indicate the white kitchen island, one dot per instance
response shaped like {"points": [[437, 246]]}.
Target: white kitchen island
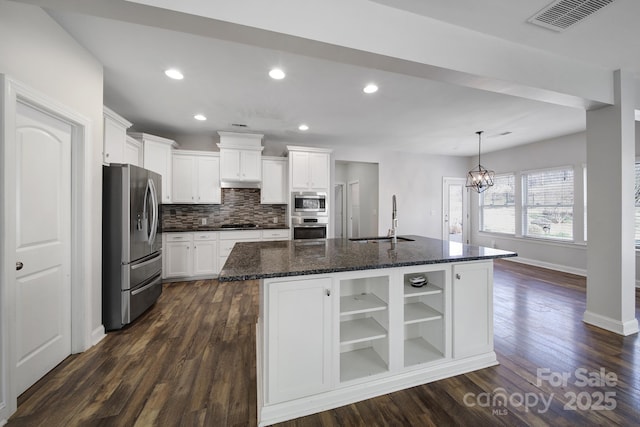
{"points": [[340, 321]]}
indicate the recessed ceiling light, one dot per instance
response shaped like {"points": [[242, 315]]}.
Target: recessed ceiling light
{"points": [[303, 127], [174, 74], [277, 74], [200, 117], [370, 88]]}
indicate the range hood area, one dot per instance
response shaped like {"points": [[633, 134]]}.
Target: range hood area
{"points": [[240, 184], [240, 160]]}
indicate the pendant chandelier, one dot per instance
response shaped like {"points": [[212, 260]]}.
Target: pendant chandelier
{"points": [[481, 178]]}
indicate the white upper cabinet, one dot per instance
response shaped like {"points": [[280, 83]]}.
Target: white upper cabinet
{"points": [[240, 158], [157, 157], [183, 179], [133, 152], [196, 177], [309, 168], [209, 180], [115, 137], [274, 181]]}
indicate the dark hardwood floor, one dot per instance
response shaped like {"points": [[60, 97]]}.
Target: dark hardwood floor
{"points": [[190, 361]]}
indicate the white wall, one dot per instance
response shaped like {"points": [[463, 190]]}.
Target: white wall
{"points": [[562, 151], [416, 180], [37, 52]]}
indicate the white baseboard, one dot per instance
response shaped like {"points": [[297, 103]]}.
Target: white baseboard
{"points": [[550, 266], [97, 335], [557, 267], [621, 328]]}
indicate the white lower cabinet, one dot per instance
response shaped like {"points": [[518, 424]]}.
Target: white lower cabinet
{"points": [[229, 238], [190, 254], [205, 253], [177, 254], [300, 331], [202, 254], [377, 334], [472, 309]]}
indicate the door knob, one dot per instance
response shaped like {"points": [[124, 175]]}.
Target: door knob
{"points": [[458, 276], [19, 265]]}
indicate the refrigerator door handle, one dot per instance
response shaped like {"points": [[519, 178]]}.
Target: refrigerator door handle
{"points": [[147, 286], [154, 218], [147, 262], [145, 207]]}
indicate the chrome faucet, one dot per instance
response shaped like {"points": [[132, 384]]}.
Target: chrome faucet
{"points": [[393, 233]]}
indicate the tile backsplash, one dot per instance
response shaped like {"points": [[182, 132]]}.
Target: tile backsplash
{"points": [[239, 205]]}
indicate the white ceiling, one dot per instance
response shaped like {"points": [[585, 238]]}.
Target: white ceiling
{"points": [[228, 82]]}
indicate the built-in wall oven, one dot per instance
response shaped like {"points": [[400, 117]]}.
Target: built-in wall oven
{"points": [[309, 227], [309, 216]]}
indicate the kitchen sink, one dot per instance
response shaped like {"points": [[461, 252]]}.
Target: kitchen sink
{"points": [[382, 239]]}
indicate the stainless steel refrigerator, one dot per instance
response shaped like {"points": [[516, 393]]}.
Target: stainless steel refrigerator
{"points": [[131, 243]]}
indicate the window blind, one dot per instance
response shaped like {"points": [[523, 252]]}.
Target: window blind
{"points": [[497, 206], [548, 204]]}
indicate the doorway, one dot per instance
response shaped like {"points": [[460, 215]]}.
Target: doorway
{"points": [[455, 210], [339, 197], [353, 209], [359, 186], [45, 253]]}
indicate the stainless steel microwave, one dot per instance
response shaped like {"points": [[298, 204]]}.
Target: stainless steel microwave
{"points": [[307, 203]]}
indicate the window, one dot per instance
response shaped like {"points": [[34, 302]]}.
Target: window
{"points": [[547, 204], [637, 192], [498, 207]]}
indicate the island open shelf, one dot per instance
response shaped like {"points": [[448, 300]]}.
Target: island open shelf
{"points": [[364, 322], [424, 317]]}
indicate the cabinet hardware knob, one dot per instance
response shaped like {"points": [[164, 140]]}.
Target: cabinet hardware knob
{"points": [[458, 276], [328, 292], [19, 265]]}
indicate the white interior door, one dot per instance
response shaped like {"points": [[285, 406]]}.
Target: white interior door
{"points": [[353, 206], [43, 244], [454, 212]]}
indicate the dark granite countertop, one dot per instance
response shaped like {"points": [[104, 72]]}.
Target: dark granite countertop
{"points": [[260, 260], [193, 229]]}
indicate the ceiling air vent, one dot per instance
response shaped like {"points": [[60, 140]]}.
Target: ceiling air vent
{"points": [[561, 14]]}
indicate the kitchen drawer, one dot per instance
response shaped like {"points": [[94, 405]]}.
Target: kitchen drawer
{"points": [[252, 235], [281, 234], [205, 235], [178, 237], [226, 246]]}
